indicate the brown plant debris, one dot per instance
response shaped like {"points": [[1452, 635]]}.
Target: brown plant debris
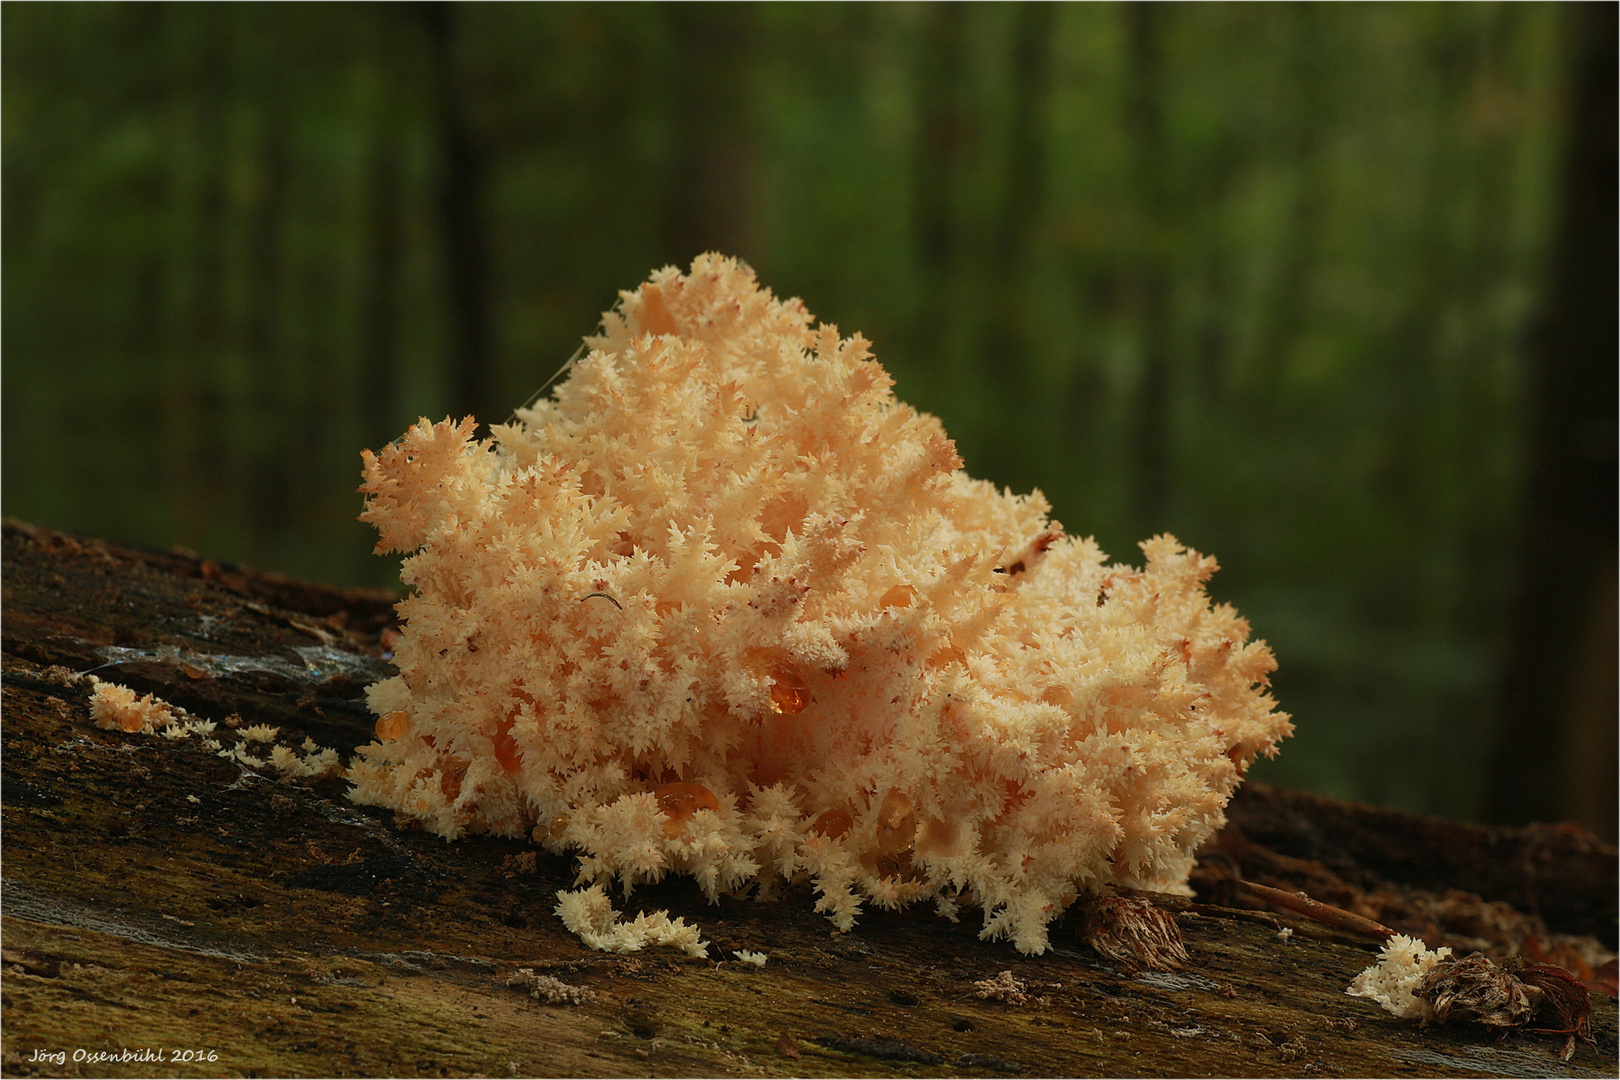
{"points": [[1133, 933], [1475, 990]]}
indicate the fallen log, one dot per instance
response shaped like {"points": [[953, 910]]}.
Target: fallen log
{"points": [[168, 911]]}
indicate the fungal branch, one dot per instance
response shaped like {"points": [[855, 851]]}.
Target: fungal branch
{"points": [[721, 605]]}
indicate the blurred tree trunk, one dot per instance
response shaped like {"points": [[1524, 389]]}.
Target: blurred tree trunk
{"points": [[1007, 363], [1288, 313], [711, 194], [268, 449], [196, 334], [1144, 121], [462, 182], [940, 134], [380, 278], [380, 314], [1555, 754]]}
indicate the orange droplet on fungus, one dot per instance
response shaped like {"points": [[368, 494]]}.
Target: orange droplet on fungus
{"points": [[392, 725], [896, 823], [789, 694], [679, 801], [506, 748], [899, 596], [833, 824], [450, 779]]}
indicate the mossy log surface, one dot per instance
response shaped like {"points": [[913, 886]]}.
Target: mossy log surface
{"points": [[159, 900]]}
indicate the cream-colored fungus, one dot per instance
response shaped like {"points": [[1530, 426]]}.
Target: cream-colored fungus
{"points": [[118, 708], [1393, 979], [724, 607]]}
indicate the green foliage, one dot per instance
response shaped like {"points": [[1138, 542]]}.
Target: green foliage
{"points": [[1253, 274]]}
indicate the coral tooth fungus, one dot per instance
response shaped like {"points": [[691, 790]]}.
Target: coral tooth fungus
{"points": [[871, 672]]}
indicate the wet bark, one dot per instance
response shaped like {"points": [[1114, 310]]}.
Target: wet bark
{"points": [[942, 142], [159, 897], [1556, 747], [1014, 244], [380, 307], [1144, 28]]}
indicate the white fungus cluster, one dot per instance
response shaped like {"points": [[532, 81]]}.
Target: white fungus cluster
{"points": [[1394, 978], [589, 914], [724, 607]]}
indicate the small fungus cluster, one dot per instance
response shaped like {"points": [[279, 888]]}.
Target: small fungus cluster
{"points": [[118, 708], [589, 914], [722, 606], [549, 989]]}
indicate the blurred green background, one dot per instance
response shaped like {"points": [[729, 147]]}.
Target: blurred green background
{"points": [[1296, 283]]}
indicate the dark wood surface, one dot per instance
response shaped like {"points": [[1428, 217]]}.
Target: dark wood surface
{"points": [[159, 898]]}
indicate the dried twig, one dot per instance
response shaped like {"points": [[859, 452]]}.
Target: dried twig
{"points": [[1315, 909]]}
